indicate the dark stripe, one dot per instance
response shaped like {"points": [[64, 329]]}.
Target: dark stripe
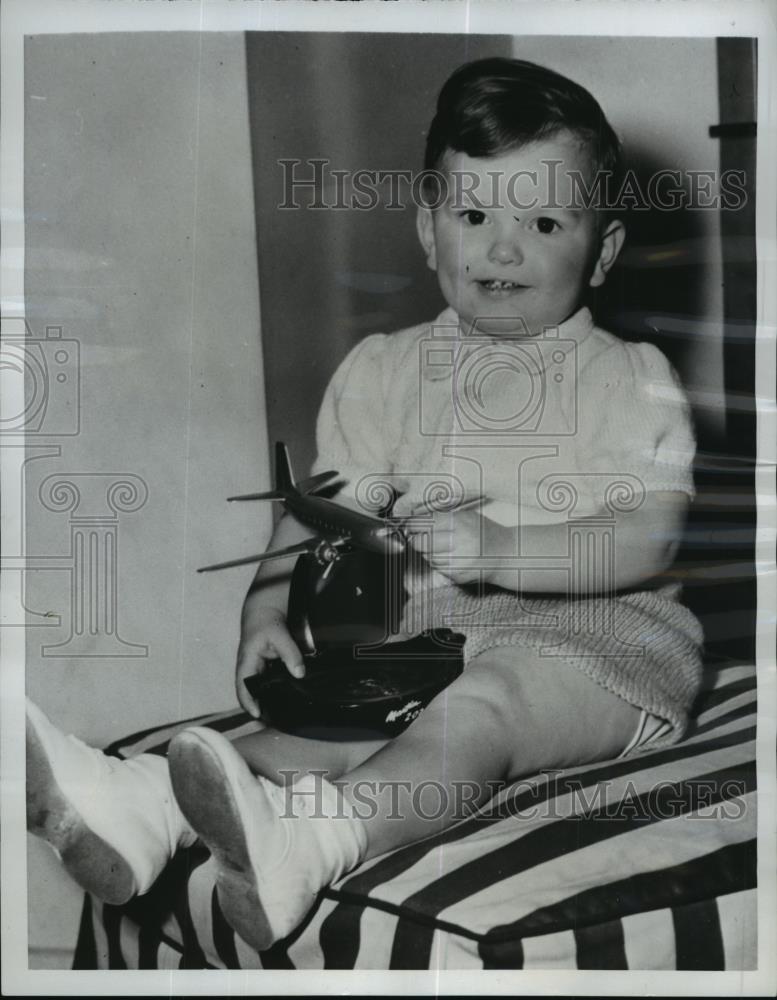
{"points": [[119, 747], [192, 956], [698, 939], [223, 935], [148, 946], [722, 720], [412, 945], [112, 918], [85, 955], [503, 955], [276, 957], [711, 699], [729, 869], [340, 934], [733, 130], [342, 924], [601, 946]]}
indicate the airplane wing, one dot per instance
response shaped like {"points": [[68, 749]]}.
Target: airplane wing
{"points": [[291, 550], [269, 495]]}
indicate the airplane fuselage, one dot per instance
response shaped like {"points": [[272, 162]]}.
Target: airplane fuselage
{"points": [[333, 521]]}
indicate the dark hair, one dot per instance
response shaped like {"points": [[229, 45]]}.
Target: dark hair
{"points": [[492, 106]]}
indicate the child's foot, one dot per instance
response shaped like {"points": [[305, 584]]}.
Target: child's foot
{"points": [[272, 855], [114, 823]]}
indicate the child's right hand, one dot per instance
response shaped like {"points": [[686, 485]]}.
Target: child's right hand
{"points": [[264, 636]]}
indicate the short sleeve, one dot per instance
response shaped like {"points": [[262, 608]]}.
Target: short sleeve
{"points": [[644, 426], [350, 430]]}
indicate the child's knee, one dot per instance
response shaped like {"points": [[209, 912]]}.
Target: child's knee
{"points": [[551, 713]]}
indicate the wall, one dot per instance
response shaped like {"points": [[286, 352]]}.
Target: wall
{"points": [[140, 245]]}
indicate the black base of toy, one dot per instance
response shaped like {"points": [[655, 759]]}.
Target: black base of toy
{"points": [[353, 692]]}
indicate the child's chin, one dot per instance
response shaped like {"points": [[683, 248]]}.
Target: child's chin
{"points": [[501, 326]]}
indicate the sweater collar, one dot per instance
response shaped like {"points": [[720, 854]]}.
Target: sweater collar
{"points": [[445, 329]]}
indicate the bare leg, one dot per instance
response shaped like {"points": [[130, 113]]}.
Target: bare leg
{"points": [[498, 720], [273, 754]]}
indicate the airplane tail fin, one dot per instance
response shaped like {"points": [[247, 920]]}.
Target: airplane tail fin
{"points": [[284, 479]]}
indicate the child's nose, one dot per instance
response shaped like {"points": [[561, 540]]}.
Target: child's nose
{"points": [[505, 250]]}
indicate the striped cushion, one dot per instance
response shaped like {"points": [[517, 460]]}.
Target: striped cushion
{"points": [[647, 862]]}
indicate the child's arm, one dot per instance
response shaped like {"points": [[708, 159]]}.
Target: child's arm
{"points": [[263, 632], [466, 544]]}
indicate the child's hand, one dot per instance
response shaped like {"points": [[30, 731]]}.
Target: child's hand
{"points": [[264, 636], [451, 541]]}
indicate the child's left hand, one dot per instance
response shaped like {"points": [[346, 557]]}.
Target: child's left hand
{"points": [[453, 542]]}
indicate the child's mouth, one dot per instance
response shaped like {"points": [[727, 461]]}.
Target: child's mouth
{"points": [[494, 285]]}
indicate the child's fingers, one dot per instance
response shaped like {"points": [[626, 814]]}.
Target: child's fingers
{"points": [[288, 651], [247, 666]]}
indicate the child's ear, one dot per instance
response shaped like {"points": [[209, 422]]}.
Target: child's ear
{"points": [[424, 222], [609, 248]]}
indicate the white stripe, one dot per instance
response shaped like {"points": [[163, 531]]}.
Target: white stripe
{"points": [[167, 957], [739, 928], [306, 951], [247, 958], [453, 951], [649, 940], [376, 939], [199, 888], [550, 951], [100, 936], [732, 703], [129, 933]]}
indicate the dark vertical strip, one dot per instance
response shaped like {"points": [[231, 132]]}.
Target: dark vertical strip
{"points": [[276, 957], [737, 90], [85, 956], [737, 104], [340, 935], [148, 946], [192, 956], [698, 938], [112, 918], [601, 946], [412, 947], [223, 935]]}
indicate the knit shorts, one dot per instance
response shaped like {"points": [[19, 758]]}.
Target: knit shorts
{"points": [[643, 645]]}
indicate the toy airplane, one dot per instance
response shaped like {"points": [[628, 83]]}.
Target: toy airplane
{"points": [[338, 528]]}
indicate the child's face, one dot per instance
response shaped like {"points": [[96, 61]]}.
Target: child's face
{"points": [[502, 263]]}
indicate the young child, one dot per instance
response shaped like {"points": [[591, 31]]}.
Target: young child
{"points": [[515, 253]]}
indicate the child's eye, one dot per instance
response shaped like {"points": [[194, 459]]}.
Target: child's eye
{"points": [[546, 225], [473, 216]]}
